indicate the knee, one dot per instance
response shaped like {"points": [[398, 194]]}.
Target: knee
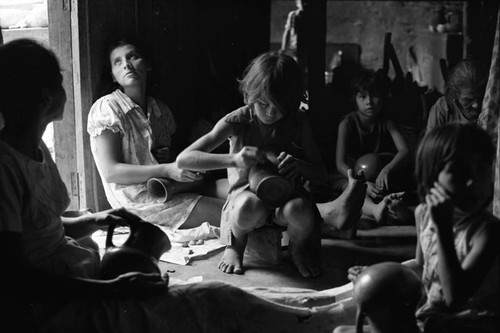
{"points": [[249, 211], [299, 212]]}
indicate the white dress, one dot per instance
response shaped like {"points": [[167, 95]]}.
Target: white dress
{"points": [[140, 135]]}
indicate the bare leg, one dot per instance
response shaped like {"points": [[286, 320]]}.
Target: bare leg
{"points": [[232, 260], [345, 211], [248, 212], [207, 209], [299, 217]]}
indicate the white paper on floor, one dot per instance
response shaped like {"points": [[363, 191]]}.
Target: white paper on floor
{"points": [[179, 253], [184, 255]]}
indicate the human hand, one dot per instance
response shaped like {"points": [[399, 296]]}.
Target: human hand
{"points": [[118, 216], [382, 180], [162, 155], [288, 166], [374, 191], [182, 175], [354, 271], [440, 206], [249, 156]]}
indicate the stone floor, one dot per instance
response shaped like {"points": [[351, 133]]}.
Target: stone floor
{"points": [[386, 243]]}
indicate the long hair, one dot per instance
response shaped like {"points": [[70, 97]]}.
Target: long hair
{"points": [[275, 76], [445, 143], [27, 68]]}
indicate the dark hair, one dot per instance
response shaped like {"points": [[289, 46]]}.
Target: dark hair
{"points": [[275, 76], [370, 81], [26, 69], [467, 73], [445, 143], [106, 84]]}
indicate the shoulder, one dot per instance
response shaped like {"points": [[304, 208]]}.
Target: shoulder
{"points": [[439, 108], [488, 225], [348, 121], [114, 102], [243, 115]]}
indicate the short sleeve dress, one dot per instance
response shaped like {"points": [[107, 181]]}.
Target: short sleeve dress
{"points": [[140, 134]]}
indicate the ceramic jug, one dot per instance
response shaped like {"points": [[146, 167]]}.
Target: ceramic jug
{"points": [[268, 185], [162, 189], [139, 253]]}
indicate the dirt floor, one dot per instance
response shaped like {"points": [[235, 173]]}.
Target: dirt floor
{"points": [[385, 243]]}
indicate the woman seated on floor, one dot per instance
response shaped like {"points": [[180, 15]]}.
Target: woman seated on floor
{"points": [[130, 135]]}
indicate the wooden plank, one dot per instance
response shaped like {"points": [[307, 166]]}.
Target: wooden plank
{"points": [[59, 38], [92, 26]]}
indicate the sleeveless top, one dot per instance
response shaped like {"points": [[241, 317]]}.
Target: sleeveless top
{"points": [[284, 135], [361, 141]]}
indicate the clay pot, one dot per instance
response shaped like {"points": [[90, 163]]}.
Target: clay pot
{"points": [[268, 185], [387, 289], [162, 189], [139, 253], [371, 164]]}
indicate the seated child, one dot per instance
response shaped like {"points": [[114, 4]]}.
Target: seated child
{"points": [[368, 130], [269, 123], [457, 250], [464, 93]]}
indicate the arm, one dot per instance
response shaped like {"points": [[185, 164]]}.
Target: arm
{"points": [[460, 280], [86, 225], [417, 263], [400, 143], [286, 34], [198, 155], [108, 158], [341, 150], [22, 282]]}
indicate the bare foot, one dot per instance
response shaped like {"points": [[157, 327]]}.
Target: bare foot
{"points": [[380, 212], [232, 261], [307, 264], [398, 210], [343, 212]]}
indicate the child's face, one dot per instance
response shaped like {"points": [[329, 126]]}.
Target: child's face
{"points": [[468, 180], [470, 101], [127, 66], [368, 104], [267, 112]]}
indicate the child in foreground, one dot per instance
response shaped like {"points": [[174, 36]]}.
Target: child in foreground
{"points": [[457, 250], [269, 124]]}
